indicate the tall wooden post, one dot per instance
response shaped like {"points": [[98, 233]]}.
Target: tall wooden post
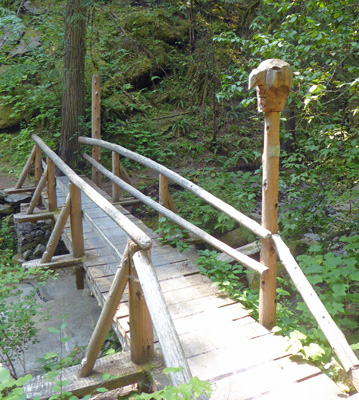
{"points": [[51, 185], [142, 349], [77, 231], [115, 171], [273, 80], [37, 165], [96, 126]]}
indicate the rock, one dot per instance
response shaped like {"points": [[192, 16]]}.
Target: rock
{"points": [[28, 7], [6, 209], [236, 238], [2, 196], [26, 46], [39, 250], [27, 254], [11, 37], [17, 199], [8, 119]]}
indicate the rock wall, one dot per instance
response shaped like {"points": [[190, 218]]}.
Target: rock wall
{"points": [[32, 239]]}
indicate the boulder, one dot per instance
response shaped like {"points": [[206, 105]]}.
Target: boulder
{"points": [[6, 209], [18, 198], [8, 118]]}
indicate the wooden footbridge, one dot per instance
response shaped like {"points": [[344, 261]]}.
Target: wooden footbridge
{"points": [[169, 311], [163, 311]]}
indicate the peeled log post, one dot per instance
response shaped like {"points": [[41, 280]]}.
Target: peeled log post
{"points": [[108, 312], [51, 185], [37, 165], [96, 126], [27, 168], [115, 171], [273, 80], [141, 328]]}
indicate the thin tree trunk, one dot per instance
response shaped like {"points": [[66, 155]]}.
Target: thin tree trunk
{"points": [[73, 97]]}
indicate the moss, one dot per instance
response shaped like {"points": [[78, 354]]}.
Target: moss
{"points": [[158, 25], [8, 116]]}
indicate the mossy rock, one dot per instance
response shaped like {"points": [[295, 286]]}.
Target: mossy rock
{"points": [[158, 25], [9, 118]]}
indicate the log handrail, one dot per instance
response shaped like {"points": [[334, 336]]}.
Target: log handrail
{"points": [[240, 257], [333, 334], [214, 201], [136, 234]]}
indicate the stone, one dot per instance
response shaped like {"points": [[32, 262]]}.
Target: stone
{"points": [[236, 238], [27, 254], [2, 196], [17, 199], [28, 7], [39, 250], [6, 209], [25, 46]]}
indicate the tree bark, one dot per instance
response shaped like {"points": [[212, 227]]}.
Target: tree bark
{"points": [[73, 97]]}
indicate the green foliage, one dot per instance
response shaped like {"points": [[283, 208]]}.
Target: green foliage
{"points": [[17, 311], [229, 278], [172, 234], [185, 391], [10, 388], [238, 189]]}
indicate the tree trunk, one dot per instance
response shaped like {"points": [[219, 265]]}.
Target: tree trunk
{"points": [[73, 97]]}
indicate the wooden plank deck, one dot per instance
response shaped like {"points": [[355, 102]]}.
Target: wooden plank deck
{"points": [[223, 344]]}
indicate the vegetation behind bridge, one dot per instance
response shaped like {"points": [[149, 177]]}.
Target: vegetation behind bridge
{"points": [[174, 76]]}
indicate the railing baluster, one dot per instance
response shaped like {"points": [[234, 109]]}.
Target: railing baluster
{"points": [[77, 231], [37, 165], [116, 172], [26, 168], [36, 196], [142, 349], [107, 314], [51, 185], [57, 231], [96, 126]]}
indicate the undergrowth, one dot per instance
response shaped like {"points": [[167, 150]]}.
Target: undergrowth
{"points": [[336, 281]]}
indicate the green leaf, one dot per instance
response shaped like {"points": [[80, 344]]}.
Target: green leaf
{"points": [[4, 375], [173, 370], [101, 390], [106, 376], [313, 352], [53, 330]]}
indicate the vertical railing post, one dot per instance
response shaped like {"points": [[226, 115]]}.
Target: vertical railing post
{"points": [[76, 230], [115, 171], [37, 165], [140, 321], [51, 185], [165, 198], [96, 126], [273, 80], [26, 168]]}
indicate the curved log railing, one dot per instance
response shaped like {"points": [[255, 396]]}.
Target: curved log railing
{"points": [[333, 334], [135, 268]]}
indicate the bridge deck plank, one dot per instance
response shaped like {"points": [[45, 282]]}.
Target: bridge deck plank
{"points": [[222, 342]]}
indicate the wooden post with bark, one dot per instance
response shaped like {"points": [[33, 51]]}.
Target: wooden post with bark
{"points": [[96, 126], [77, 236], [116, 171], [37, 165], [51, 185], [142, 349], [165, 198], [273, 80]]}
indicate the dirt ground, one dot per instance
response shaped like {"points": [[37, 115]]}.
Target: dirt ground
{"points": [[7, 180]]}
